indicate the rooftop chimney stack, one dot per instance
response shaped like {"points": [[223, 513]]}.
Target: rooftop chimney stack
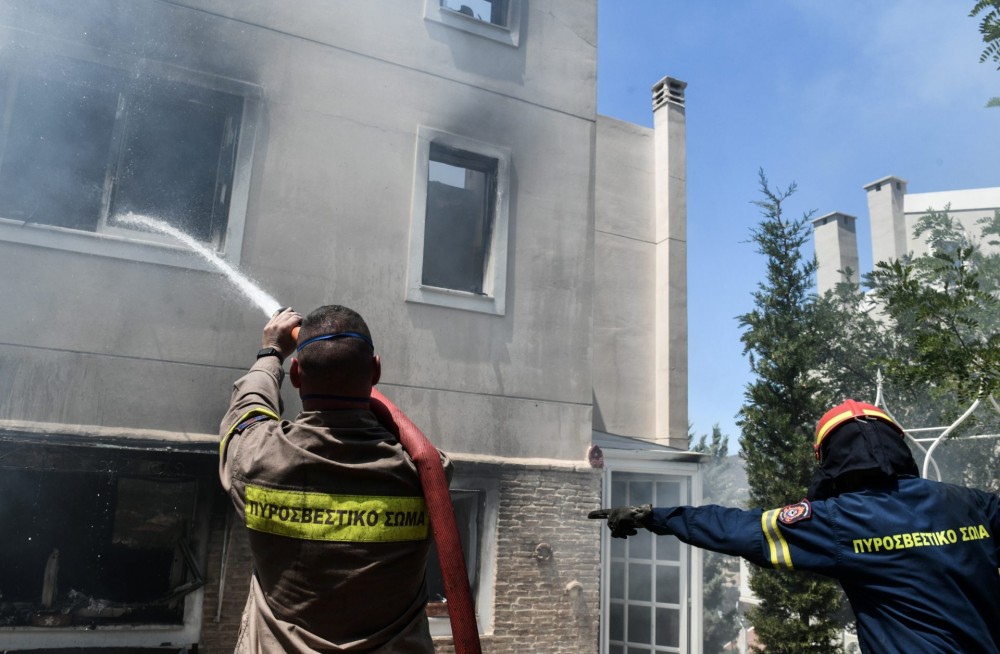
{"points": [[885, 211], [836, 239], [670, 234]]}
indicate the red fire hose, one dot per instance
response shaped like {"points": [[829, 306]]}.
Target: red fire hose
{"points": [[461, 610]]}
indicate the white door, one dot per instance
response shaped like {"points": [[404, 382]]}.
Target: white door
{"points": [[647, 590]]}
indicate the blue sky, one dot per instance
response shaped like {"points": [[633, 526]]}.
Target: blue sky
{"points": [[829, 95]]}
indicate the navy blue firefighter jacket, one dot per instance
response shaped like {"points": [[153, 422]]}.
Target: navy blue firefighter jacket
{"points": [[918, 560]]}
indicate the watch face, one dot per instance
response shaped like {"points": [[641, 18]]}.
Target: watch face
{"points": [[269, 352]]}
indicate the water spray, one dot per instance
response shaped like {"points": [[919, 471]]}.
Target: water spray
{"points": [[444, 527], [242, 283]]}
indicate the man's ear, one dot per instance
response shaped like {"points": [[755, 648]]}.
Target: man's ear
{"points": [[295, 374], [376, 369]]}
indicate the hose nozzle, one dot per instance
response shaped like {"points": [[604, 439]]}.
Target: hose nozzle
{"points": [[295, 329]]}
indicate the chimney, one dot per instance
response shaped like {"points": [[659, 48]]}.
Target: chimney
{"points": [[836, 239], [885, 213], [670, 236]]}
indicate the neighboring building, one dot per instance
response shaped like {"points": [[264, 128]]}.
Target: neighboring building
{"points": [[893, 213], [521, 261], [836, 239]]}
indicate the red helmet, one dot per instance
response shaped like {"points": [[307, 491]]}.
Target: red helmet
{"points": [[849, 410]]}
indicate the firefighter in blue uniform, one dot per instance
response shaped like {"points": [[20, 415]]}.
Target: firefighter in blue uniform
{"points": [[917, 559]]}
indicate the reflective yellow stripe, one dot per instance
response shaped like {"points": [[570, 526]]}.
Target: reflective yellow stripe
{"points": [[256, 411], [843, 417], [344, 518], [776, 543], [830, 424]]}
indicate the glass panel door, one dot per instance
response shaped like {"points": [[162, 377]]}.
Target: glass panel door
{"points": [[648, 581]]}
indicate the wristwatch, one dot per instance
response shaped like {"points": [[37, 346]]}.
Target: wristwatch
{"points": [[270, 352]]}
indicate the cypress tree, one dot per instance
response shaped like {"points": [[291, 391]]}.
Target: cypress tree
{"points": [[798, 612]]}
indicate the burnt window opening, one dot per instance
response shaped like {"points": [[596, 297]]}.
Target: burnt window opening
{"points": [[100, 536], [494, 12], [458, 224], [470, 507], [82, 144]]}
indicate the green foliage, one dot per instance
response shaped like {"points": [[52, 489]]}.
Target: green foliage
{"points": [[941, 320], [945, 311], [988, 12], [852, 340], [718, 448], [989, 28], [783, 338], [796, 612], [720, 572]]}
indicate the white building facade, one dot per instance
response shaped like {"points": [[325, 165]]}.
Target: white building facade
{"points": [[893, 214], [439, 167]]}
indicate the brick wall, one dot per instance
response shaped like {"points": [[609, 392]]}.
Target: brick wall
{"points": [[549, 605], [220, 636], [534, 611]]}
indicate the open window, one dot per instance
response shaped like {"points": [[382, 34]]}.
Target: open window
{"points": [[102, 546], [461, 203], [494, 12], [497, 20], [84, 142], [458, 241], [475, 501]]}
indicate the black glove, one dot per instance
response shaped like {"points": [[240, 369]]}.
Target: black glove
{"points": [[623, 520]]}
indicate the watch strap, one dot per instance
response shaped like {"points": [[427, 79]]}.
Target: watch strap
{"points": [[270, 352]]}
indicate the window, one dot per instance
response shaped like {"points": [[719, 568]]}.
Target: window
{"points": [[475, 501], [497, 20], [102, 545], [458, 247], [83, 143], [461, 188], [650, 587], [489, 11]]}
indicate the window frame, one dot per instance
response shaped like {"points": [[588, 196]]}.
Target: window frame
{"points": [[509, 34], [635, 464], [120, 242], [493, 297], [137, 634], [489, 487]]}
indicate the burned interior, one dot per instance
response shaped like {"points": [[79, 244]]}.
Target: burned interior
{"points": [[99, 536]]}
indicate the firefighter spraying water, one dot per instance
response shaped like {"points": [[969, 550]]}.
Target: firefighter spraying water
{"points": [[339, 503]]}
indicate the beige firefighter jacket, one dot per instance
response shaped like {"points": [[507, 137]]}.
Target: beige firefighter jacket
{"points": [[337, 525]]}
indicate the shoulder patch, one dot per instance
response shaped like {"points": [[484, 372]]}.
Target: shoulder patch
{"points": [[793, 513]]}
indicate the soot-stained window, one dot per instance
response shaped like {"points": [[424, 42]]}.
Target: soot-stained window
{"points": [[82, 144], [100, 536], [461, 189], [475, 497], [459, 216], [469, 509]]}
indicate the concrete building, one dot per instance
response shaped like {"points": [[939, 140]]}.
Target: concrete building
{"points": [[520, 259], [836, 239], [893, 213]]}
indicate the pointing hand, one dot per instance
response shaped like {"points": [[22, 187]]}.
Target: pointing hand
{"points": [[623, 521]]}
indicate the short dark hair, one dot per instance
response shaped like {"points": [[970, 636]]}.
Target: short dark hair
{"points": [[342, 361]]}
